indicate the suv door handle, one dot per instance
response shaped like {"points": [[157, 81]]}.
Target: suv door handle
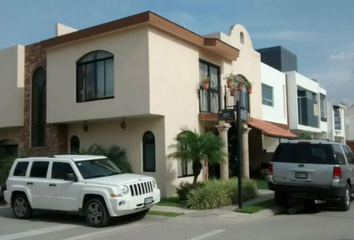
{"points": [[30, 183], [52, 185]]}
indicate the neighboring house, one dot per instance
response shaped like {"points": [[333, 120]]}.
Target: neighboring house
{"points": [[303, 94], [267, 134], [349, 125], [336, 128], [133, 82]]}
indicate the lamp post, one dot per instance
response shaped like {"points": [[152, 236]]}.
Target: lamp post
{"points": [[238, 149]]}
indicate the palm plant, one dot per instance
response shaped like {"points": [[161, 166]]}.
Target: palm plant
{"points": [[115, 153], [5, 166], [194, 147]]}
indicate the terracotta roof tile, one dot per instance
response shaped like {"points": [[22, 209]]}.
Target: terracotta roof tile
{"points": [[270, 129]]}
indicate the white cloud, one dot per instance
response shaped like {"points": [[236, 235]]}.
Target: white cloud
{"points": [[347, 55]]}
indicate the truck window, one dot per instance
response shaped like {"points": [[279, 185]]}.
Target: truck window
{"points": [[349, 154], [304, 153], [39, 169], [339, 154], [60, 170], [21, 169]]}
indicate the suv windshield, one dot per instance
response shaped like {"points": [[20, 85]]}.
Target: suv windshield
{"points": [[97, 168], [304, 153]]}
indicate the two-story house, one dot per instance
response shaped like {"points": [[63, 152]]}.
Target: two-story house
{"points": [[349, 124], [133, 82], [336, 118]]}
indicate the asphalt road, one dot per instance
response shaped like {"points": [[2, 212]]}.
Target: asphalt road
{"points": [[322, 223]]}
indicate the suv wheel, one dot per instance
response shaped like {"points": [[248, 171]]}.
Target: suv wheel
{"points": [[21, 207], [96, 213], [344, 203], [281, 198]]}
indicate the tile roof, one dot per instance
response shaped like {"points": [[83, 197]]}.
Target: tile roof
{"points": [[270, 129]]}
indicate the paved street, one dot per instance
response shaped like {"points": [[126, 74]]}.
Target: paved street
{"points": [[323, 224]]}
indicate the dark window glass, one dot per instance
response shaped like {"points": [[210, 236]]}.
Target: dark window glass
{"points": [[209, 99], [95, 76], [21, 169], [97, 168], [337, 118], [149, 156], [339, 154], [267, 95], [350, 155], [304, 153], [39, 169], [60, 170], [38, 108], [74, 144]]}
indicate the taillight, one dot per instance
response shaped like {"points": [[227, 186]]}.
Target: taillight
{"points": [[270, 169], [337, 173]]}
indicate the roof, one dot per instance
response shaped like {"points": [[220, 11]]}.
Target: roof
{"points": [[67, 157], [270, 129], [211, 44]]}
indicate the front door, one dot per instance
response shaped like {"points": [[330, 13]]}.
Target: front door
{"points": [[63, 193]]}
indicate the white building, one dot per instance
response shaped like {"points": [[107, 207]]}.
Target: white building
{"points": [[336, 120]]}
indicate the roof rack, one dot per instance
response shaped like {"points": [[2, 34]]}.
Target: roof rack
{"points": [[51, 156]]}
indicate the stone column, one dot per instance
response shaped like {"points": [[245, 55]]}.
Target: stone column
{"points": [[223, 128], [245, 150]]}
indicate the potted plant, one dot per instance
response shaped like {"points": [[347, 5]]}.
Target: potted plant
{"points": [[240, 86], [230, 79], [206, 82], [248, 86], [233, 92]]}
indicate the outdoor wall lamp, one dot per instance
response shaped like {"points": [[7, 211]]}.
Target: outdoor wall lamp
{"points": [[123, 125], [85, 128]]}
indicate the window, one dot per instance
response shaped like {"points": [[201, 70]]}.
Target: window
{"points": [[39, 169], [339, 154], [8, 147], [337, 118], [350, 155], [323, 106], [95, 76], [267, 95], [97, 168], [186, 168], [242, 38], [74, 144], [38, 108], [209, 99], [308, 109], [149, 155], [60, 170], [21, 169], [347, 120]]}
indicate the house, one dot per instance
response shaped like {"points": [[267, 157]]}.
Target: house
{"points": [[133, 82], [337, 126], [349, 124]]}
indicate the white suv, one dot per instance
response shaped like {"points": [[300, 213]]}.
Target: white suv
{"points": [[90, 185]]}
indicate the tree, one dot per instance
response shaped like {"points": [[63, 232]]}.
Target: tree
{"points": [[194, 147], [114, 153]]}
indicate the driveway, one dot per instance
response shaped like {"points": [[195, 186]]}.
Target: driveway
{"points": [[325, 223]]}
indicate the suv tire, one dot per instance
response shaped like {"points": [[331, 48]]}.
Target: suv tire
{"points": [[281, 198], [21, 207], [96, 213], [344, 203]]}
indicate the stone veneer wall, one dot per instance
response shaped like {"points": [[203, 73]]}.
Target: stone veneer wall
{"points": [[56, 134]]}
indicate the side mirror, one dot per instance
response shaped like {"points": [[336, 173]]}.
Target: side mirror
{"points": [[70, 177]]}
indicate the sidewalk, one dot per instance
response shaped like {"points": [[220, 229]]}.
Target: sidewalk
{"points": [[228, 211]]}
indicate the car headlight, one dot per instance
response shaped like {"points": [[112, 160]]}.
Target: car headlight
{"points": [[124, 189], [154, 183]]}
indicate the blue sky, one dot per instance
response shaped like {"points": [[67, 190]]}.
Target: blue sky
{"points": [[320, 32]]}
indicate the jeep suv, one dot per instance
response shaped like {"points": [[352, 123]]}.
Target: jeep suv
{"points": [[90, 185], [312, 169]]}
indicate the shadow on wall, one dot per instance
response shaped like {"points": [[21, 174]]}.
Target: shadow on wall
{"points": [[171, 175]]}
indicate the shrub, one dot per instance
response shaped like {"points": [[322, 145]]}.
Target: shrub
{"points": [[215, 193], [184, 188], [115, 153], [5, 166]]}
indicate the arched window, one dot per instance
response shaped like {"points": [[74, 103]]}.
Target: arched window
{"points": [[38, 110], [242, 38], [95, 76], [149, 153], [74, 144], [244, 95]]}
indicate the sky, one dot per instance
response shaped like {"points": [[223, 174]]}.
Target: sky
{"points": [[319, 32]]}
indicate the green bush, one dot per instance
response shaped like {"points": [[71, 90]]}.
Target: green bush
{"points": [[215, 193], [5, 166], [184, 188], [116, 154]]}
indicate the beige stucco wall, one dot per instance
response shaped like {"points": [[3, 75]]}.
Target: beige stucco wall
{"points": [[131, 73], [11, 86], [108, 133], [247, 64]]}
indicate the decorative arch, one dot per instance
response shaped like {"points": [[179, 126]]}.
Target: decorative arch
{"points": [[38, 107], [74, 144], [149, 152], [245, 100], [95, 76]]}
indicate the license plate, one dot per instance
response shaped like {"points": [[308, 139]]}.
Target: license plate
{"points": [[148, 200], [301, 175]]}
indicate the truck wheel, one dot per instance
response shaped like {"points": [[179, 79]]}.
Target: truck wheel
{"points": [[21, 207], [281, 198], [344, 203], [96, 213]]}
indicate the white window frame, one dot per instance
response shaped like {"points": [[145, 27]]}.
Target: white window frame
{"points": [[266, 101]]}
